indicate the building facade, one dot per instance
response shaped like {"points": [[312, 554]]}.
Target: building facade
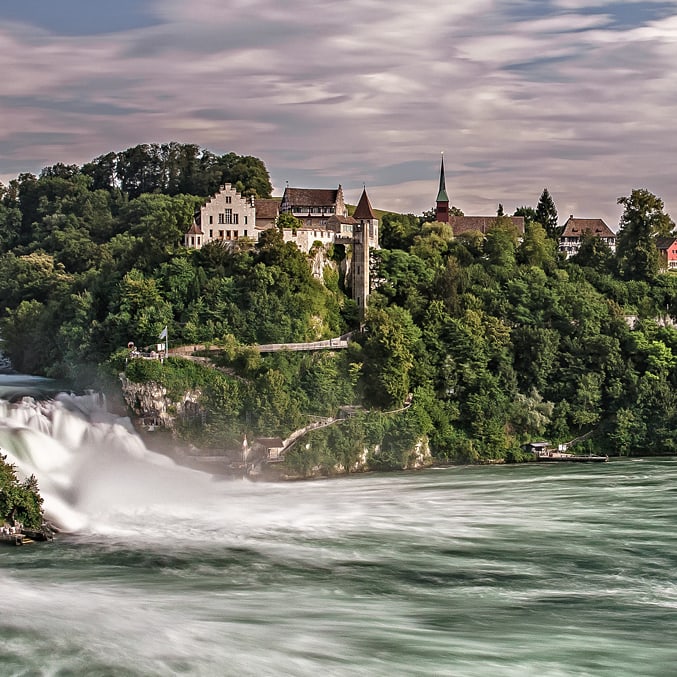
{"points": [[364, 238], [313, 206], [667, 248], [230, 217], [227, 217], [575, 229]]}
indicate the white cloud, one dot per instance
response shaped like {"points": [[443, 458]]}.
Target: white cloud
{"points": [[346, 89]]}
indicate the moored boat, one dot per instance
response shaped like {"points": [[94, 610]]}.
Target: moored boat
{"points": [[563, 457]]}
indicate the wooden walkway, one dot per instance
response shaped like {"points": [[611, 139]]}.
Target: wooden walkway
{"points": [[338, 343]]}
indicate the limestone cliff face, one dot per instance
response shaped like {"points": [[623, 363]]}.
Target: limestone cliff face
{"points": [[419, 457], [151, 404]]}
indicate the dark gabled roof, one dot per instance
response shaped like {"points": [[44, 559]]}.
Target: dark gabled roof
{"points": [[482, 224], [195, 230], [267, 208], [335, 218], [664, 243], [363, 210], [577, 227], [311, 197], [270, 442]]}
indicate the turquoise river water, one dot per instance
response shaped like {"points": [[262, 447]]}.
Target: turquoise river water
{"points": [[465, 571]]}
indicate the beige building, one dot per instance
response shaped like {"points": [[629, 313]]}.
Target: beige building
{"points": [[226, 217]]}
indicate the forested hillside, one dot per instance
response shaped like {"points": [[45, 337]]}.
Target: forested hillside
{"points": [[498, 339]]}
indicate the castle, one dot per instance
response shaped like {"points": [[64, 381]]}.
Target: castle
{"points": [[229, 217]]}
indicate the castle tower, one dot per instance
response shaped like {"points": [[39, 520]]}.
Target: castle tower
{"points": [[442, 206], [365, 234]]}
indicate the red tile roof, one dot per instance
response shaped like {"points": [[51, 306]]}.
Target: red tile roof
{"points": [[482, 224], [363, 210], [267, 208], [310, 197], [270, 442], [577, 227], [664, 243], [335, 218]]}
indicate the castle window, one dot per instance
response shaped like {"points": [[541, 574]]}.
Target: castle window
{"points": [[245, 220], [235, 218], [229, 216], [211, 219], [229, 199], [221, 219]]}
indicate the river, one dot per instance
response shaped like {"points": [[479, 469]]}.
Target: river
{"points": [[488, 571]]}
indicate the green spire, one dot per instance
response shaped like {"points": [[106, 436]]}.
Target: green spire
{"points": [[442, 194]]}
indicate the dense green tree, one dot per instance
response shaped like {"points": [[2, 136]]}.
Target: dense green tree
{"points": [[286, 220], [546, 215], [536, 249], [390, 348], [19, 501], [594, 253], [643, 219], [529, 214], [10, 225], [397, 231]]}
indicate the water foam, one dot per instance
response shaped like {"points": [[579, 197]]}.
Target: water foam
{"points": [[88, 462]]}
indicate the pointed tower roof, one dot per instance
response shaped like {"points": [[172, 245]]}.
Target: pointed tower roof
{"points": [[442, 194], [363, 210]]}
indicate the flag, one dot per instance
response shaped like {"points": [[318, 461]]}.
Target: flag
{"points": [[163, 334]]}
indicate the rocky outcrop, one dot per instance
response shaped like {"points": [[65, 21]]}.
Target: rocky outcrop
{"points": [[5, 364], [153, 407]]}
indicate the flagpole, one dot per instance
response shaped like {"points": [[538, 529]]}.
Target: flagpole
{"points": [[164, 334]]}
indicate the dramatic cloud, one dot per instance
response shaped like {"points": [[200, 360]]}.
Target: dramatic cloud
{"points": [[576, 96]]}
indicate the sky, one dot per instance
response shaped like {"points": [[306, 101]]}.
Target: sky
{"points": [[576, 96]]}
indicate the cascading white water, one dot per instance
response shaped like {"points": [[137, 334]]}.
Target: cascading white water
{"points": [[87, 460], [489, 570]]}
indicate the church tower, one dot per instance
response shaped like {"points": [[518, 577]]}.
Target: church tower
{"points": [[365, 234], [442, 206]]}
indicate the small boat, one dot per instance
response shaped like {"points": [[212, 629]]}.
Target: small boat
{"points": [[563, 457], [546, 453]]}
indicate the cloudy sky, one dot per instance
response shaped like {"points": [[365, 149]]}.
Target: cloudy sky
{"points": [[576, 95]]}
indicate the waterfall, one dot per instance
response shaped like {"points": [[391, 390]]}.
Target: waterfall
{"points": [[87, 460]]}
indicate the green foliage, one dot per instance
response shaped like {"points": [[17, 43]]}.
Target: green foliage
{"points": [[288, 221], [389, 351], [397, 231], [546, 214], [19, 501], [495, 339], [175, 168], [643, 219]]}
